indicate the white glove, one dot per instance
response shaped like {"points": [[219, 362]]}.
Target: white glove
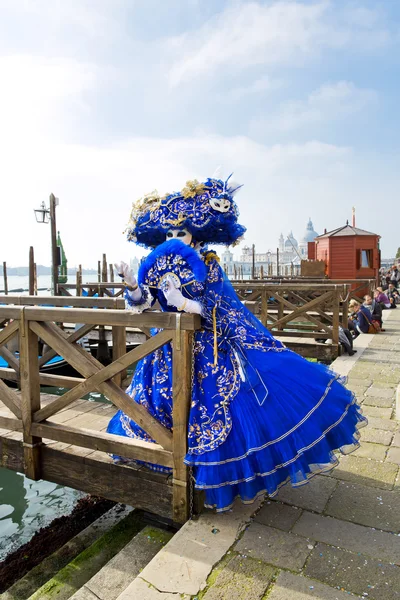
{"points": [[127, 275], [175, 298]]}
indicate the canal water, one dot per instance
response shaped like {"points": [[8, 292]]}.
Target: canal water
{"points": [[25, 505]]}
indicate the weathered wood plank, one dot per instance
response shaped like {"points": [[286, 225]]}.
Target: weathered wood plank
{"points": [[103, 374], [104, 442], [87, 366], [302, 310], [182, 369], [118, 483], [166, 320], [10, 423], [30, 398], [10, 399], [73, 337], [63, 301], [118, 350], [10, 358], [8, 332], [47, 379]]}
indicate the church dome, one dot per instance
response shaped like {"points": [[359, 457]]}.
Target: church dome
{"points": [[309, 234], [289, 243]]}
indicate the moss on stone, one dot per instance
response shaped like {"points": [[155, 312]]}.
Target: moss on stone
{"points": [[87, 563], [157, 535]]}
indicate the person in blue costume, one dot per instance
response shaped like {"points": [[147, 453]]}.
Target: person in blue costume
{"points": [[260, 414]]}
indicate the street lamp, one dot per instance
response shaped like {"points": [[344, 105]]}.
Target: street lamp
{"points": [[44, 215]]}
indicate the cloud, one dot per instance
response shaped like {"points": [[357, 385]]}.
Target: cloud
{"points": [[38, 95], [96, 186], [261, 85], [329, 102], [282, 33]]}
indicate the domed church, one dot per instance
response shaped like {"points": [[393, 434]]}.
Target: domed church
{"points": [[309, 236]]}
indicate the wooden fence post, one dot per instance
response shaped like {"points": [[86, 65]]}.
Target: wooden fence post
{"points": [[264, 309], [30, 396], [5, 278], [280, 314], [335, 319], [345, 306], [35, 286], [182, 368], [118, 350], [31, 272]]}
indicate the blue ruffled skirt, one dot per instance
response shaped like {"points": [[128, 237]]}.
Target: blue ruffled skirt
{"points": [[258, 419]]}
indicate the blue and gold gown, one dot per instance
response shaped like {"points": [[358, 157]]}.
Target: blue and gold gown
{"points": [[260, 414]]}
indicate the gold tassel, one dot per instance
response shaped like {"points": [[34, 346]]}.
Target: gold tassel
{"points": [[214, 315]]}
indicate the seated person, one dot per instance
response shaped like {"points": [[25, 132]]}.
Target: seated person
{"points": [[381, 298], [360, 318], [393, 295], [374, 307]]}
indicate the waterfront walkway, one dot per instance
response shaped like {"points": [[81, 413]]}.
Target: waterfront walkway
{"points": [[335, 538]]}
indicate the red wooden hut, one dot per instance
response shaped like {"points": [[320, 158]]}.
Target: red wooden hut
{"points": [[348, 253]]}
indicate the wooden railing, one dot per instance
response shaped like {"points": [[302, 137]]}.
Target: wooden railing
{"points": [[110, 289], [358, 287], [34, 420], [295, 312]]}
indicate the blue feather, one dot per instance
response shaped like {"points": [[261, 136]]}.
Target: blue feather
{"points": [[175, 247]]}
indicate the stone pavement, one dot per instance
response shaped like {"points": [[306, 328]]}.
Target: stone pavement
{"points": [[335, 538]]}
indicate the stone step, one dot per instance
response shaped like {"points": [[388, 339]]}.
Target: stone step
{"points": [[66, 582], [121, 570], [39, 575]]}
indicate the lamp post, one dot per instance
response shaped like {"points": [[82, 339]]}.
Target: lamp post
{"points": [[269, 261], [43, 215]]}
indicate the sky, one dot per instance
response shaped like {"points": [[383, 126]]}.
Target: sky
{"points": [[102, 101]]}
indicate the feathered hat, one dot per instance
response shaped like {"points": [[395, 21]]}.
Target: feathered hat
{"points": [[207, 210]]}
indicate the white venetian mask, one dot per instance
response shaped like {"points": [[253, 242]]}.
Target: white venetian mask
{"points": [[220, 204]]}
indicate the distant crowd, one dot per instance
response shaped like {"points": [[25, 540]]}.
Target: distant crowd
{"points": [[367, 317]]}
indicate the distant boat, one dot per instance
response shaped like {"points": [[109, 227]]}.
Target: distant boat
{"points": [[55, 366]]}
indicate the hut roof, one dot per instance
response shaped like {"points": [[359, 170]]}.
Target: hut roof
{"points": [[346, 230]]}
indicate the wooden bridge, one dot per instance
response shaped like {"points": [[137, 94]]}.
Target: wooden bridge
{"points": [[62, 438]]}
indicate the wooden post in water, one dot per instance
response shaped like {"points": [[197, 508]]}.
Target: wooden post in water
{"points": [[253, 262], [35, 286], [79, 281], [103, 352], [104, 269], [5, 278], [99, 271], [261, 272], [54, 250], [277, 262], [31, 272], [111, 267]]}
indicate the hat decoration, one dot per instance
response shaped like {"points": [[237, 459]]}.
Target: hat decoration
{"points": [[207, 210]]}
